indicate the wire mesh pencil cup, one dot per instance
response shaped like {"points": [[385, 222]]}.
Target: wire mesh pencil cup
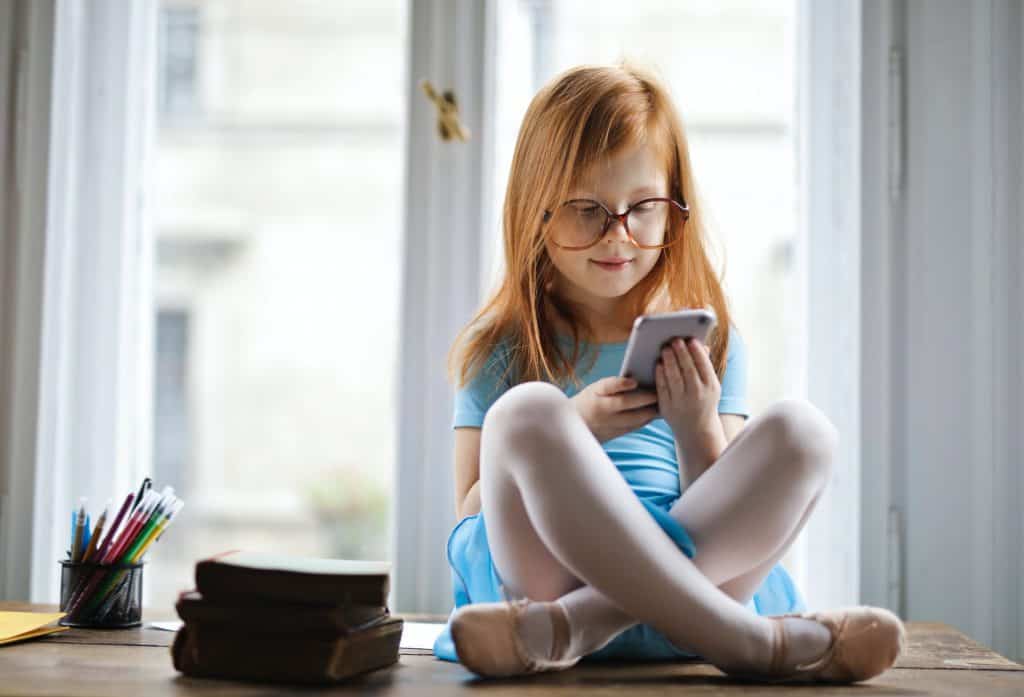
{"points": [[101, 595]]}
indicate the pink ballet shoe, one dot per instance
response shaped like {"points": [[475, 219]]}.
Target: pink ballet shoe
{"points": [[487, 641], [865, 642]]}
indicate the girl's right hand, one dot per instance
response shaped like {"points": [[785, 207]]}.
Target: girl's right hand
{"points": [[613, 406]]}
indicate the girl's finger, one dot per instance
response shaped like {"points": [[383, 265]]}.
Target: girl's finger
{"points": [[689, 370], [635, 399], [637, 418], [673, 373], [702, 360], [614, 385], [661, 384], [639, 398]]}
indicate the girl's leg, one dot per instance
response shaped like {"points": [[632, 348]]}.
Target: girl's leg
{"points": [[729, 534], [596, 620], [535, 449], [743, 587]]}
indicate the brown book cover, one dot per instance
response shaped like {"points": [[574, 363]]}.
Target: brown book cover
{"points": [[280, 618], [215, 652], [231, 576]]}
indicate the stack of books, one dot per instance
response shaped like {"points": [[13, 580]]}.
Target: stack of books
{"points": [[286, 619]]}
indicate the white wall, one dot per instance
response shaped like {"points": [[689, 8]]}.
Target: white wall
{"points": [[943, 300]]}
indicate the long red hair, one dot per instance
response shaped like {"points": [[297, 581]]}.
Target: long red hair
{"points": [[579, 117]]}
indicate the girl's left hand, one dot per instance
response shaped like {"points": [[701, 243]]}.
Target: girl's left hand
{"points": [[687, 386]]}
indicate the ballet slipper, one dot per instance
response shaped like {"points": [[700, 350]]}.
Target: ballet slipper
{"points": [[865, 642], [487, 640]]}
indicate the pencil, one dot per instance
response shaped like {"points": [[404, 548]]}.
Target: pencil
{"points": [[76, 541], [97, 531], [85, 578]]}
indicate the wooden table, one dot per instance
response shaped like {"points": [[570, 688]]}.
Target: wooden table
{"points": [[940, 661]]}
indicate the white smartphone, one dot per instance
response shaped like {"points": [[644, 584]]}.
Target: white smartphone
{"points": [[651, 333]]}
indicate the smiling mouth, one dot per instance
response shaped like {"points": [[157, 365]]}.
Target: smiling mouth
{"points": [[612, 265]]}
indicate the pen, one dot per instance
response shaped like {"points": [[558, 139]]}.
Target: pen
{"points": [[113, 528], [160, 530], [139, 544], [130, 527], [86, 535], [135, 554], [155, 524], [112, 553], [143, 514], [143, 531], [146, 484]]}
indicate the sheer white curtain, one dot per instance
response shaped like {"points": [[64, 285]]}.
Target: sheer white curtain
{"points": [[26, 45], [81, 415]]}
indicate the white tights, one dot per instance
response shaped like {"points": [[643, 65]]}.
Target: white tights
{"points": [[564, 525]]}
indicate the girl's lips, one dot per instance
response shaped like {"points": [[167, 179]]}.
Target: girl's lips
{"points": [[612, 267]]}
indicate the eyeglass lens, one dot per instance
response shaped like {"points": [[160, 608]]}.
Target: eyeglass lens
{"points": [[582, 222]]}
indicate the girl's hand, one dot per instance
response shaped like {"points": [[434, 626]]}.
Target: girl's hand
{"points": [[613, 406], [687, 387]]}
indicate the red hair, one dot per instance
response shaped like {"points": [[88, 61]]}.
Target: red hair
{"points": [[577, 119]]}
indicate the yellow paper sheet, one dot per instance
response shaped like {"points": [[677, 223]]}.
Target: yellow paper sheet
{"points": [[18, 626]]}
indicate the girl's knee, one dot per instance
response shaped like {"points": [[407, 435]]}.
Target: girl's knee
{"points": [[527, 410], [804, 434]]}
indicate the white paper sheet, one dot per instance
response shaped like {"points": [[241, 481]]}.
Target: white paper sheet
{"points": [[420, 635], [172, 626]]}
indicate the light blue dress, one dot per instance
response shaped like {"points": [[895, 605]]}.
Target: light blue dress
{"points": [[646, 458]]}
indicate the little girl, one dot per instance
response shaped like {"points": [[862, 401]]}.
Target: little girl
{"points": [[626, 522]]}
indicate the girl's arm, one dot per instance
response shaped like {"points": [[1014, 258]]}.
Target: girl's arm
{"points": [[710, 448], [467, 471], [732, 424]]}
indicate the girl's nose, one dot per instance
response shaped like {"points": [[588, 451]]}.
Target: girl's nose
{"points": [[616, 230]]}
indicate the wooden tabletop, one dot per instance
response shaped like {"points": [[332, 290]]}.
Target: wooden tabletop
{"points": [[939, 661]]}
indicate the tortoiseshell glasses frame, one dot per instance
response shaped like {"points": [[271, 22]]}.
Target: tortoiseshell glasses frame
{"points": [[585, 205]]}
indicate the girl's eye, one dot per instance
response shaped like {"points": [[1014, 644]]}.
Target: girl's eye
{"points": [[646, 206]]}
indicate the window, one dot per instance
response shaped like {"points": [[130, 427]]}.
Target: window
{"points": [[277, 278], [179, 74]]}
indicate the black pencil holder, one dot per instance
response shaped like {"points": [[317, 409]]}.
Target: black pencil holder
{"points": [[100, 596]]}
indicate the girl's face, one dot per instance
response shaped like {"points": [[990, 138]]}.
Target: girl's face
{"points": [[631, 174]]}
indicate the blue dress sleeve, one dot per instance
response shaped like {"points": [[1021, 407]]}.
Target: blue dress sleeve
{"points": [[473, 399], [734, 382]]}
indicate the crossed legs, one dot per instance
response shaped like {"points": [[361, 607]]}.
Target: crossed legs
{"points": [[564, 525]]}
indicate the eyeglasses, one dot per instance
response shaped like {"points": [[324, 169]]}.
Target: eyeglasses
{"points": [[581, 223]]}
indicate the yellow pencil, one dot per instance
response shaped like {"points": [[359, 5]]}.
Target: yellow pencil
{"points": [[157, 531]]}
